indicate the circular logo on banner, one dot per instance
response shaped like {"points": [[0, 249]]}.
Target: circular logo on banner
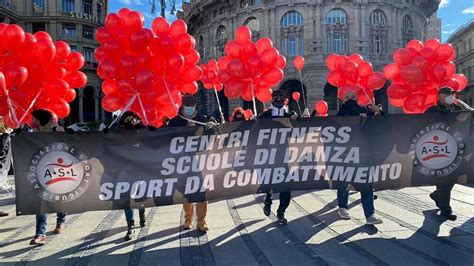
{"points": [[437, 150], [59, 172]]}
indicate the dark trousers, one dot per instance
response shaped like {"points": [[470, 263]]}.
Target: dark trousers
{"points": [[443, 197], [285, 198]]}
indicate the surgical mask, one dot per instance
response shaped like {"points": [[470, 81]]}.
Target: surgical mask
{"points": [[189, 110], [450, 99]]}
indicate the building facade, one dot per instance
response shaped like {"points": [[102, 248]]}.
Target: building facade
{"points": [[434, 27], [312, 28], [463, 42], [75, 22]]}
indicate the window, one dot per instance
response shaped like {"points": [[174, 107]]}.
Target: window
{"points": [[292, 42], [253, 24], [35, 27], [88, 33], [221, 40], [68, 6], [222, 11], [407, 29], [336, 16], [292, 18], [336, 32], [99, 10], [378, 18], [87, 7], [73, 48], [89, 54], [69, 30], [407, 23], [38, 5]]}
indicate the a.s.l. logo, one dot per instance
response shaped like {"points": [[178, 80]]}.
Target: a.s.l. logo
{"points": [[437, 150], [59, 172]]}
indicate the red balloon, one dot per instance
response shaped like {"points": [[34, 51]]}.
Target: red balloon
{"points": [[192, 73], [192, 57], [296, 96], [339, 62], [365, 69], [398, 92], [444, 52], [44, 51], [56, 87], [450, 68], [237, 68], [415, 45], [234, 89], [432, 43], [462, 81], [321, 107], [243, 34], [264, 95], [356, 58], [76, 79], [178, 27], [451, 83], [414, 104], [298, 62], [351, 71], [62, 50], [428, 53], [376, 81], [3, 85], [139, 40], [189, 88], [412, 74], [263, 44], [70, 95], [274, 76], [160, 26], [281, 63], [232, 49], [111, 103], [74, 62], [133, 21], [43, 35], [103, 35], [60, 107], [438, 73], [113, 21], [421, 62], [331, 60], [402, 57], [14, 75], [248, 113], [109, 86], [175, 63], [12, 36], [270, 57], [107, 69], [336, 78]]}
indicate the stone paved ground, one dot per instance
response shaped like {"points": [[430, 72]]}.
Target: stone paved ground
{"points": [[241, 235]]}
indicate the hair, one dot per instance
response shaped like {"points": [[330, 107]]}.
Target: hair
{"points": [[238, 110], [43, 116]]}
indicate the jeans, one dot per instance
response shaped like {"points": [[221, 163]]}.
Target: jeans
{"points": [[129, 213], [42, 221], [443, 196], [367, 198], [285, 198]]}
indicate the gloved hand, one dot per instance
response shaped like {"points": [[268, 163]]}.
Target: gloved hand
{"points": [[294, 116], [210, 125], [306, 113]]}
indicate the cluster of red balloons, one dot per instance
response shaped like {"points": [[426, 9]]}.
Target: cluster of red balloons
{"points": [[321, 108], [354, 74], [146, 71], [36, 73], [250, 69], [210, 72], [420, 69]]}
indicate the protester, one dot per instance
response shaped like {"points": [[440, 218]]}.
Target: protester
{"points": [[278, 109], [128, 121], [5, 160], [442, 195], [187, 115], [375, 110], [351, 108], [45, 121], [239, 115]]}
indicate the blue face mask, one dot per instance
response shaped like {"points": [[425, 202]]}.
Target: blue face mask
{"points": [[189, 110]]}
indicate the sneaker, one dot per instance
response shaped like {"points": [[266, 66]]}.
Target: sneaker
{"points": [[3, 214], [267, 209], [202, 226], [282, 220], [142, 220], [433, 197], [188, 224], [373, 220], [448, 215], [344, 214], [129, 234], [38, 240], [59, 229]]}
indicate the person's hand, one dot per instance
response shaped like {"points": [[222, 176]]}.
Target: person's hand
{"points": [[306, 113], [294, 116], [363, 115], [210, 125]]}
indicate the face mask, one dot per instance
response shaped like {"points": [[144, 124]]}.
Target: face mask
{"points": [[450, 99], [278, 103], [189, 110]]}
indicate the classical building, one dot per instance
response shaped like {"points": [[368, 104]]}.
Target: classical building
{"points": [[75, 22], [463, 42], [434, 27], [312, 28]]}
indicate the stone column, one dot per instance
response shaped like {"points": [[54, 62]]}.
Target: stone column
{"points": [[275, 25], [81, 108], [96, 108]]}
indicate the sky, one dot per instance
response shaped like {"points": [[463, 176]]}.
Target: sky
{"points": [[453, 13]]}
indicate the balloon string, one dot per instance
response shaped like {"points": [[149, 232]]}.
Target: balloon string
{"points": [[219, 104], [143, 110], [127, 107], [253, 100], [305, 103], [30, 106], [12, 110], [176, 109], [366, 95]]}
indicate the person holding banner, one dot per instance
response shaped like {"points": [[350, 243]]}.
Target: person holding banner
{"points": [[46, 121], [278, 109], [351, 108], [239, 115], [188, 116], [442, 195], [129, 121]]}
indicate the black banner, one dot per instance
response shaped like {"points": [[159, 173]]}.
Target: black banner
{"points": [[97, 171]]}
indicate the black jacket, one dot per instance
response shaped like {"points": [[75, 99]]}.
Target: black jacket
{"points": [[181, 122], [269, 115], [444, 110], [351, 110]]}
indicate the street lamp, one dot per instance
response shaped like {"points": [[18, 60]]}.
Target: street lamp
{"points": [[162, 5]]}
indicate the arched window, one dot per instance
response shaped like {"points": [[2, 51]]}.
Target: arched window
{"points": [[254, 25], [378, 32], [337, 32], [200, 45], [292, 33], [407, 29], [336, 16], [220, 41]]}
